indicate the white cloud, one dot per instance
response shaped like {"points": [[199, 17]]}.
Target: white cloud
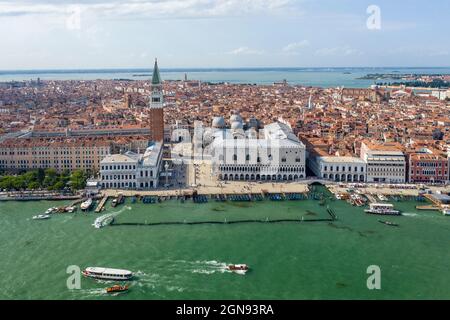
{"points": [[151, 8], [245, 51], [338, 51], [293, 47]]}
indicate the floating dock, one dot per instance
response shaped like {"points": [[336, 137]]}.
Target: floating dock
{"points": [[101, 204]]}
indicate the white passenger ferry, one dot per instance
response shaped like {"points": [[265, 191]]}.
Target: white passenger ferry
{"points": [[383, 209], [107, 273]]}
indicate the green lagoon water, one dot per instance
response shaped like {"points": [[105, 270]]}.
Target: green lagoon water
{"points": [[316, 260]]}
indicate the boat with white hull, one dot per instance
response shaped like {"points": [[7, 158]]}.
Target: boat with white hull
{"points": [[86, 205], [41, 217], [108, 273], [238, 268], [382, 209]]}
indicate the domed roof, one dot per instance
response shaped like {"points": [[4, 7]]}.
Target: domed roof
{"points": [[236, 125], [218, 122], [235, 118]]}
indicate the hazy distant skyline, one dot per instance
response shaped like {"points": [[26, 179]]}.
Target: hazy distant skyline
{"points": [[78, 34]]}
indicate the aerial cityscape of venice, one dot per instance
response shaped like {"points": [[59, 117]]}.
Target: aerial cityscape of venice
{"points": [[224, 150]]}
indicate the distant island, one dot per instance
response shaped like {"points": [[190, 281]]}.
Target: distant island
{"points": [[411, 80]]}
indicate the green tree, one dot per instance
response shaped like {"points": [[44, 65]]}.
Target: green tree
{"points": [[78, 180], [33, 185], [50, 179], [40, 176], [19, 182], [6, 182], [59, 185]]}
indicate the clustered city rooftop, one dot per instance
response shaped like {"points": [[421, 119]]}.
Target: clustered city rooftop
{"points": [[339, 134]]}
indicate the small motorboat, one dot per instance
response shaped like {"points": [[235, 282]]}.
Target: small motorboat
{"points": [[70, 209], [388, 223], [51, 210], [41, 217], [86, 205], [238, 268], [116, 288]]}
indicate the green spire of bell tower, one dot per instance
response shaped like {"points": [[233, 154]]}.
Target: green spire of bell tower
{"points": [[156, 78]]}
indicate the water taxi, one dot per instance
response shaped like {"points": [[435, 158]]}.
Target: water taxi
{"points": [[238, 268], [116, 288], [382, 209], [70, 209], [119, 200], [41, 217], [86, 205], [51, 210], [107, 273]]}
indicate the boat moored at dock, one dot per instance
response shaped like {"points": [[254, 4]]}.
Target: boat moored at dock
{"points": [[51, 210], [86, 205], [108, 273], [383, 209]]}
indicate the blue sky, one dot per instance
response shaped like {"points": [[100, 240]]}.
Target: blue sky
{"points": [[221, 33]]}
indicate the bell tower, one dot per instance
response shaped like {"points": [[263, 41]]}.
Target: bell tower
{"points": [[156, 105]]}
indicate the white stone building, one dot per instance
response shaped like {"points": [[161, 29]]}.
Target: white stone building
{"points": [[273, 154], [132, 170], [385, 163], [341, 169]]}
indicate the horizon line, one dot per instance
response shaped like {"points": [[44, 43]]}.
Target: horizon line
{"points": [[168, 69]]}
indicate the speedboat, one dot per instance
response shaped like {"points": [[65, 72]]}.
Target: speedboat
{"points": [[238, 268], [41, 217], [116, 288], [107, 273], [51, 210], [70, 209]]}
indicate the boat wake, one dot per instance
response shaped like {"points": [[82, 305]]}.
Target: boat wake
{"points": [[125, 208], [157, 283], [91, 292], [408, 214]]}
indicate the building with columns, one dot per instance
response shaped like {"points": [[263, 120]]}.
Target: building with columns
{"points": [[132, 170], [385, 162], [340, 169], [273, 154]]}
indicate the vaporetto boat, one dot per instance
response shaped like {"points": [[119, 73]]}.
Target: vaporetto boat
{"points": [[107, 273], [382, 209]]}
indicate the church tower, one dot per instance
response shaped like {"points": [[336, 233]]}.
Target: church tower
{"points": [[156, 106]]}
